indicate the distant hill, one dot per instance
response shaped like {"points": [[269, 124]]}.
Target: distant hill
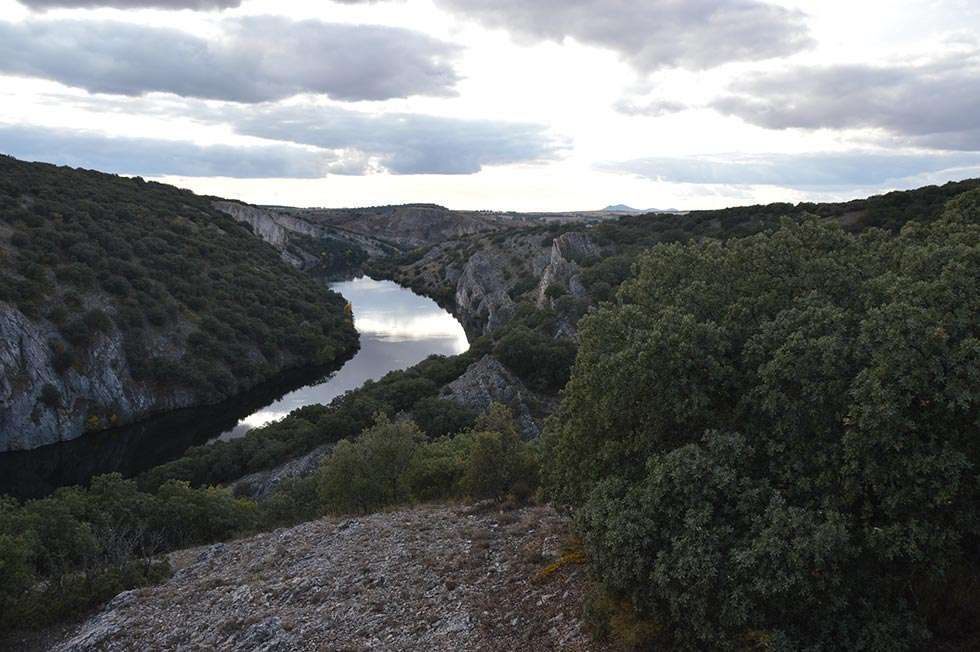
{"points": [[623, 209]]}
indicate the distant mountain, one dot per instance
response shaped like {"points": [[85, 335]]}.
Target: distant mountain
{"points": [[623, 208]]}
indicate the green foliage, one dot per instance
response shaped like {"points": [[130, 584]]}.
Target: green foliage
{"points": [[392, 463], [303, 430], [439, 417], [774, 438], [365, 475], [61, 555], [540, 361], [436, 468], [496, 459], [99, 254]]}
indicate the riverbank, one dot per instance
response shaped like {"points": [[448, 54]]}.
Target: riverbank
{"points": [[397, 329]]}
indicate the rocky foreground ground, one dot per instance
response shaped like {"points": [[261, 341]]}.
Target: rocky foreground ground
{"points": [[434, 577]]}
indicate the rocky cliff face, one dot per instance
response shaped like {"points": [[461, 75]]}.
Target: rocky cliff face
{"points": [[488, 276], [263, 483], [433, 577], [276, 226], [407, 226], [563, 271], [487, 381], [481, 294], [40, 406]]}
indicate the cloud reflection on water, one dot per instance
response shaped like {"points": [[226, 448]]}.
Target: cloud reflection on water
{"points": [[398, 329]]}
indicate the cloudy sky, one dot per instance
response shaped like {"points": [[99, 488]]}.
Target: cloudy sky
{"points": [[499, 104]]}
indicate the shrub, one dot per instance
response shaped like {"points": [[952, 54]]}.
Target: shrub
{"points": [[365, 475], [773, 439], [50, 396], [541, 362], [438, 417], [496, 458]]}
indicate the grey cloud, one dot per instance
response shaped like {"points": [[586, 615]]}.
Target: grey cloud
{"points": [[403, 143], [651, 34], [930, 105], [149, 157], [198, 5], [652, 108], [306, 141], [257, 59], [826, 170]]}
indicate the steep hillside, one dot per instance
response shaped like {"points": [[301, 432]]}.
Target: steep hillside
{"points": [[121, 298]]}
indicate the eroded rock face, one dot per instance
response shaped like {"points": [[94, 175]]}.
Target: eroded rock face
{"points": [[39, 406], [275, 226], [434, 577], [563, 271], [407, 226], [262, 483], [481, 294], [487, 381]]}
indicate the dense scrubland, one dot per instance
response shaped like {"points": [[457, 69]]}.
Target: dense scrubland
{"points": [[767, 432], [197, 303]]}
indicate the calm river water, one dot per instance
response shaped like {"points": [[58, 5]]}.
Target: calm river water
{"points": [[397, 327]]}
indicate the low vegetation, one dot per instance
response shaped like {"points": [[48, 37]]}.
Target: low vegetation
{"points": [[410, 390], [61, 555], [767, 427]]}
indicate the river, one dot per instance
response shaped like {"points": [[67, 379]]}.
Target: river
{"points": [[397, 328]]}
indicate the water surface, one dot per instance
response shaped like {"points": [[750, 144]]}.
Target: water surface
{"points": [[398, 329]]}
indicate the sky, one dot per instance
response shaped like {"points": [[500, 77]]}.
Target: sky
{"points": [[529, 105]]}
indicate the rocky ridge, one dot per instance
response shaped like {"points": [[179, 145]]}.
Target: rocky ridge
{"points": [[406, 226], [434, 577], [262, 484], [487, 277]]}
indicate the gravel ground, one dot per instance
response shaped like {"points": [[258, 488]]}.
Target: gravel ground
{"points": [[433, 577]]}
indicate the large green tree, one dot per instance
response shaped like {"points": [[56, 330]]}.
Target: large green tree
{"points": [[775, 440]]}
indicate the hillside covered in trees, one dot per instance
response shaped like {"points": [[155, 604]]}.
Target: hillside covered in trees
{"points": [[120, 298], [764, 423]]}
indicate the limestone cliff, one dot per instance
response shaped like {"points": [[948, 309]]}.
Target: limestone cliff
{"points": [[121, 299], [487, 381], [289, 232], [406, 226], [563, 270], [40, 405]]}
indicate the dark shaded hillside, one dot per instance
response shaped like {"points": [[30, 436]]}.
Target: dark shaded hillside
{"points": [[120, 298]]}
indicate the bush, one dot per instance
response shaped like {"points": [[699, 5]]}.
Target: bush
{"points": [[365, 475], [774, 439], [436, 469], [541, 362], [438, 417], [62, 555]]}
